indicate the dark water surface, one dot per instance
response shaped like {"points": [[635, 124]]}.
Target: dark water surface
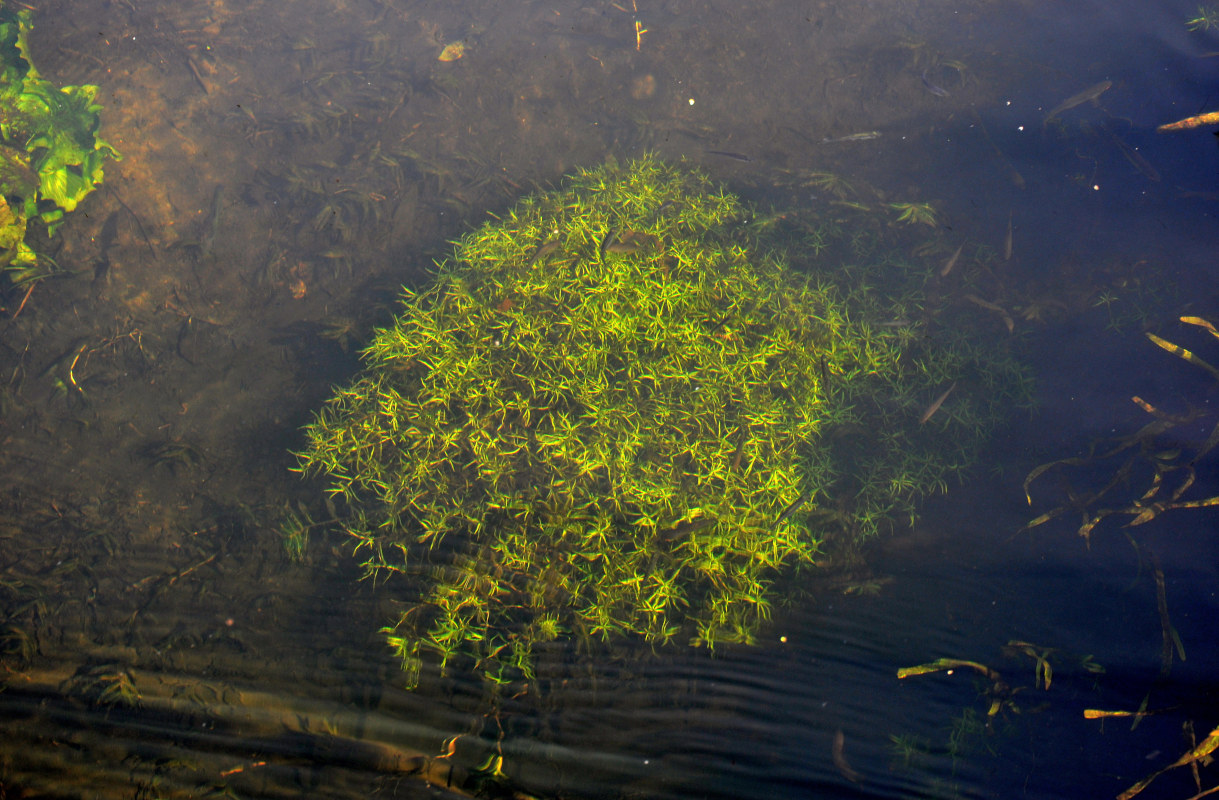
{"points": [[288, 166]]}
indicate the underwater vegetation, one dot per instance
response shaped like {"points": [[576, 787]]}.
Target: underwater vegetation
{"points": [[1001, 697], [1168, 467], [615, 413], [1154, 470], [51, 155], [1206, 18]]}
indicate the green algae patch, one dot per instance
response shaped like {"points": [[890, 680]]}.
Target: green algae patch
{"points": [[51, 151], [615, 413]]}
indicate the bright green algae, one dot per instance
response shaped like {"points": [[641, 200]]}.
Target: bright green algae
{"points": [[51, 150], [614, 414]]}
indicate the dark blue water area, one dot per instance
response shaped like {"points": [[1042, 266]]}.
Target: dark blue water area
{"points": [[1096, 179]]}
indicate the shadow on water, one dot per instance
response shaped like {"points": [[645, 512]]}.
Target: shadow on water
{"points": [[288, 166]]}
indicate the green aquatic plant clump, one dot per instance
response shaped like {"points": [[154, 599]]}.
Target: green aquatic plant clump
{"points": [[51, 153], [610, 415]]}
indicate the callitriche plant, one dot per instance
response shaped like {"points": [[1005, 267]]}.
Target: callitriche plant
{"points": [[612, 414]]}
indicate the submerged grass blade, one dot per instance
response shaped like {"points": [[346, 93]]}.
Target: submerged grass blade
{"points": [[1196, 754], [944, 665], [1181, 352]]}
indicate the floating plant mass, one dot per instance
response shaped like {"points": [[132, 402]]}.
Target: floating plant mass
{"points": [[615, 412]]}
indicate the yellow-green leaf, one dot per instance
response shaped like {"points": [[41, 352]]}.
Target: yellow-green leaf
{"points": [[453, 51], [1178, 350]]}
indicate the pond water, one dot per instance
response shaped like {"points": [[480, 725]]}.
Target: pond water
{"points": [[287, 167]]}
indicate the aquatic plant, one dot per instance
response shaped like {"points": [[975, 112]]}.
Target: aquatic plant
{"points": [[988, 736], [106, 685], [1207, 18], [51, 155], [615, 413], [914, 213], [1167, 467]]}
